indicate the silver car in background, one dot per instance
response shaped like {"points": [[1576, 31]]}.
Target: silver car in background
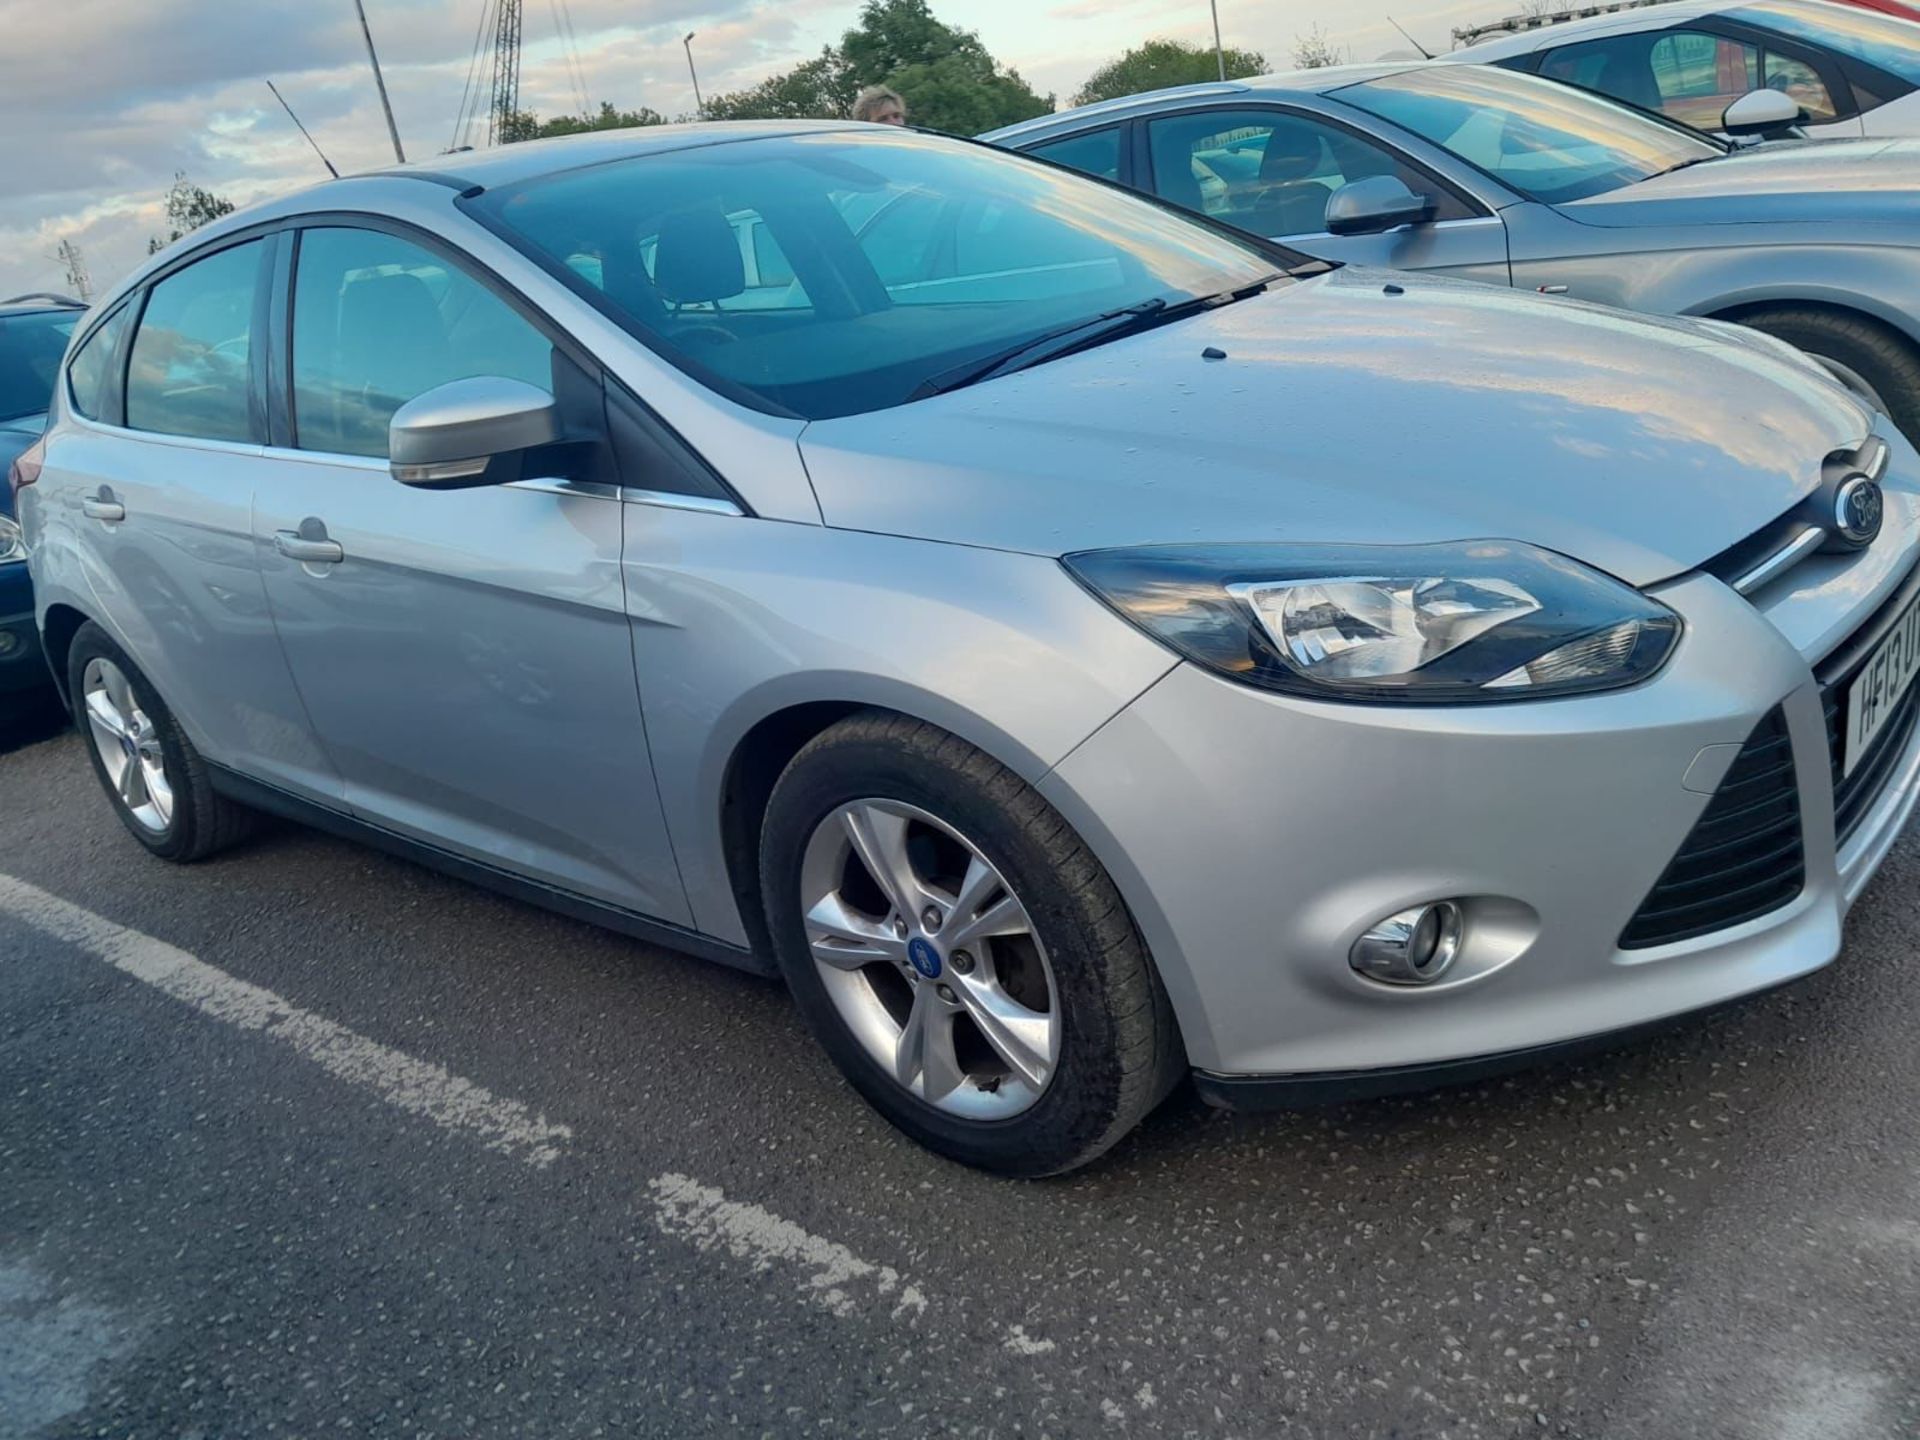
{"points": [[1849, 70], [1479, 172], [1072, 644]]}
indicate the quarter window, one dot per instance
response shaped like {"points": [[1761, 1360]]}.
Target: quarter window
{"points": [[190, 372], [378, 320], [1272, 172], [90, 374]]}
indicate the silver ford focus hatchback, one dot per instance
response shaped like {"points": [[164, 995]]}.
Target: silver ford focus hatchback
{"points": [[1074, 645]]}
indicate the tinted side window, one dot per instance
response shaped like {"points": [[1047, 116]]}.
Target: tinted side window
{"points": [[1096, 154], [1699, 76], [378, 320], [190, 370], [1799, 80], [1272, 172], [1619, 65], [90, 374]]}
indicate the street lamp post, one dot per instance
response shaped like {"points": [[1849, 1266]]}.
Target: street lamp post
{"points": [[1219, 55], [699, 105]]}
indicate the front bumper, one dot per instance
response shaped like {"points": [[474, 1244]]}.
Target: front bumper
{"points": [[21, 664], [1256, 837]]}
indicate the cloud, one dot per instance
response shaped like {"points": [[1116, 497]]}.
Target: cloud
{"points": [[118, 98]]}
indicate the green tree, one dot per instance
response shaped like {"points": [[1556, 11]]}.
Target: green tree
{"points": [[527, 126], [949, 80], [820, 88], [1313, 51], [1160, 63], [188, 208]]}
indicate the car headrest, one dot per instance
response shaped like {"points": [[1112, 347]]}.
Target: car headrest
{"points": [[1293, 153], [697, 258]]}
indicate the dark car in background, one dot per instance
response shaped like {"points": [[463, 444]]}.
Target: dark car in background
{"points": [[34, 330]]}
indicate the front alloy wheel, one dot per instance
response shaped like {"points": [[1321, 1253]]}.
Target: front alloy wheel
{"points": [[930, 959], [959, 952]]}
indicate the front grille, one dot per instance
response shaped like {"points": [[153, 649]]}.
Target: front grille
{"points": [[1743, 857], [1853, 796]]}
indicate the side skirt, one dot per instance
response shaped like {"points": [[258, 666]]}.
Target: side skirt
{"points": [[259, 796]]}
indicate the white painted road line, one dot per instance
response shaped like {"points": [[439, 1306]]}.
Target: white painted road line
{"points": [[416, 1086], [830, 1274]]}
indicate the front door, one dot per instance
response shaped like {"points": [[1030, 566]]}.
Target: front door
{"points": [[1273, 171], [464, 654]]}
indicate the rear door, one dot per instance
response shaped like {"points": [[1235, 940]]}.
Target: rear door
{"points": [[465, 654], [1272, 170], [155, 468]]}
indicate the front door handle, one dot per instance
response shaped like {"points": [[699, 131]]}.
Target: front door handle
{"points": [[308, 552], [103, 509]]}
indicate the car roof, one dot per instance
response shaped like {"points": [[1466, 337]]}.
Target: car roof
{"points": [[507, 164], [41, 302], [1281, 83], [1622, 22]]}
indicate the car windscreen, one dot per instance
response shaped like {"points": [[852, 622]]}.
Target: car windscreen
{"points": [[1548, 141], [836, 272], [31, 345], [1883, 40]]}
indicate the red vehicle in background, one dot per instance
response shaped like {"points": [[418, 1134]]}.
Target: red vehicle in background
{"points": [[1886, 7]]}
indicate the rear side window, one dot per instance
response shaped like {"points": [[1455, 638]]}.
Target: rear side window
{"points": [[378, 320], [90, 376], [190, 370], [1095, 154]]}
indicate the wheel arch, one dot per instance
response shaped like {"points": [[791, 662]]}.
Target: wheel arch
{"points": [[1738, 309], [58, 625]]}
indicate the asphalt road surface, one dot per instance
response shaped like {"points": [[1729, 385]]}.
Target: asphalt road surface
{"points": [[309, 1141]]}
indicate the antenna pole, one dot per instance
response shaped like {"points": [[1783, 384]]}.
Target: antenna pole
{"points": [[302, 129], [380, 82], [1425, 54]]}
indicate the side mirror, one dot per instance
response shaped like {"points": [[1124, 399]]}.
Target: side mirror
{"points": [[1770, 114], [471, 432], [1374, 206]]}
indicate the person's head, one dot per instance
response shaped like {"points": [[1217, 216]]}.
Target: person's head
{"points": [[880, 106]]}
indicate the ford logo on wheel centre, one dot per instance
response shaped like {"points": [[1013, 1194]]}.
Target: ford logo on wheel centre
{"points": [[925, 958]]}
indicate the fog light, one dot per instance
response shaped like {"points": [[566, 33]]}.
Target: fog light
{"points": [[9, 644], [1415, 947]]}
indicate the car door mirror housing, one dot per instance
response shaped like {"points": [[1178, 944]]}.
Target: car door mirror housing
{"points": [[479, 431], [1766, 113], [1374, 206]]}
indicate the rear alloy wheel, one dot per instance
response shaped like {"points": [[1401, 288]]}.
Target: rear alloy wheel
{"points": [[155, 779], [958, 951], [127, 746]]}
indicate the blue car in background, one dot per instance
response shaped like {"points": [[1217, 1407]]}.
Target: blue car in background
{"points": [[34, 330]]}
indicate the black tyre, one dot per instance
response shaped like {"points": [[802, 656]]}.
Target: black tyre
{"points": [[959, 952], [153, 776], [1871, 359]]}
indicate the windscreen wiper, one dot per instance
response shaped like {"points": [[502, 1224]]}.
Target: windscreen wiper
{"points": [[1081, 335]]}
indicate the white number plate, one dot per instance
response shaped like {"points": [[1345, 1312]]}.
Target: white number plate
{"points": [[1876, 690]]}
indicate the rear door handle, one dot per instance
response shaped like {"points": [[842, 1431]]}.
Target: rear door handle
{"points": [[103, 510], [308, 552]]}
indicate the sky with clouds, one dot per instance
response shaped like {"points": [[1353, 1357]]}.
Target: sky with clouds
{"points": [[103, 101]]}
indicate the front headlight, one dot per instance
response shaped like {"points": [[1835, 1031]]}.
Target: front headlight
{"points": [[1486, 620], [12, 546]]}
